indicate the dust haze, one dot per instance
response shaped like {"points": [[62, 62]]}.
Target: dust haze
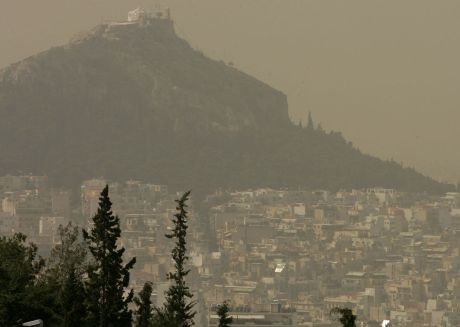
{"points": [[229, 163], [384, 73]]}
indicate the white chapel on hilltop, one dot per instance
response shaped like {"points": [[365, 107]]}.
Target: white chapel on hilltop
{"points": [[136, 14], [139, 13]]}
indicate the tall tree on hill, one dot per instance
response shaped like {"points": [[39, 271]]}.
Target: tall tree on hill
{"points": [[224, 319], [179, 304], [144, 306], [108, 278], [310, 123]]}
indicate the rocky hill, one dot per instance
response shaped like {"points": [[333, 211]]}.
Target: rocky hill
{"points": [[133, 100]]}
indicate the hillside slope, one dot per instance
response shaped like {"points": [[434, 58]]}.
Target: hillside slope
{"points": [[135, 101]]}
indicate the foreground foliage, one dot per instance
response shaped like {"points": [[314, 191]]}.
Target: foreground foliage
{"points": [[84, 281], [224, 319], [107, 276], [19, 292], [179, 304], [346, 316], [144, 310]]}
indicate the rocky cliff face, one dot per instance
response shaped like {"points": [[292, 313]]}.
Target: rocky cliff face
{"points": [[132, 100]]}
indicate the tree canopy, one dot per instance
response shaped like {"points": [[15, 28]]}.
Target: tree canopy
{"points": [[108, 277]]}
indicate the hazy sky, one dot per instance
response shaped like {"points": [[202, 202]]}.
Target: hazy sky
{"points": [[386, 73]]}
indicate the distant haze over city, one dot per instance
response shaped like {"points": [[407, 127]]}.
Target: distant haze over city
{"points": [[229, 163], [385, 74]]}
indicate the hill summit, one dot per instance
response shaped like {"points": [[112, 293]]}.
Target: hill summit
{"points": [[133, 100]]}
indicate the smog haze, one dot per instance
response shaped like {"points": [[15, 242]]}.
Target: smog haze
{"points": [[384, 73]]}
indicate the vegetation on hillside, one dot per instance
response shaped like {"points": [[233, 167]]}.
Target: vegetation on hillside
{"points": [[166, 107]]}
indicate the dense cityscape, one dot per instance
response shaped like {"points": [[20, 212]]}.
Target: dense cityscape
{"points": [[280, 257]]}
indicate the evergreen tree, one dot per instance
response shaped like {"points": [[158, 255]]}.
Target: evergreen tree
{"points": [[310, 123], [179, 304], [72, 300], [163, 318], [68, 258], [144, 306], [224, 319], [347, 318], [19, 295], [107, 276]]}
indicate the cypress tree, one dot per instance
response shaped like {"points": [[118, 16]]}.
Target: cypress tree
{"points": [[144, 306], [310, 124], [107, 276], [162, 318], [224, 319], [179, 304]]}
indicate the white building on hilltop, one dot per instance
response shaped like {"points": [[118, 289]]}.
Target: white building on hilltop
{"points": [[140, 13]]}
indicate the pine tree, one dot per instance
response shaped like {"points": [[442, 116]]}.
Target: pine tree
{"points": [[224, 319], [72, 299], [347, 318], [107, 276], [310, 124], [163, 318], [179, 304], [144, 306]]}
